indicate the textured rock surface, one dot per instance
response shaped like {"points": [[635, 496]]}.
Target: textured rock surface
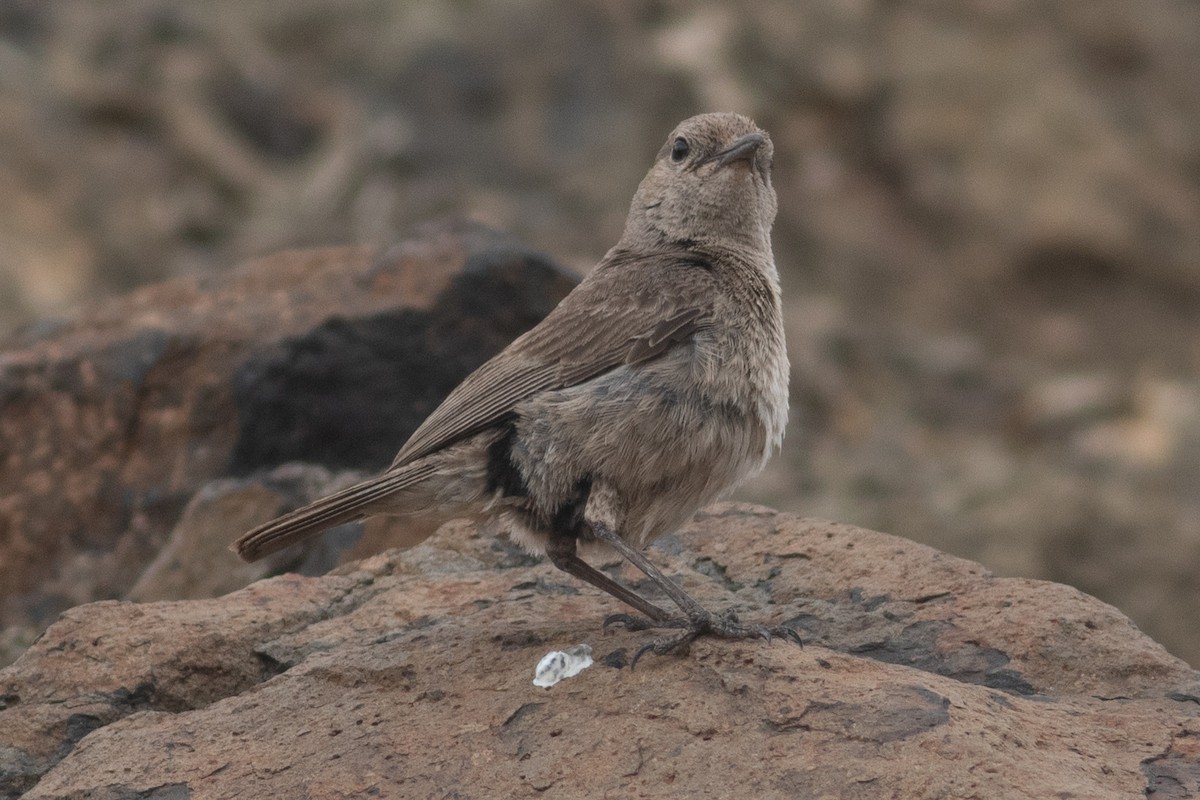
{"points": [[409, 675], [111, 422]]}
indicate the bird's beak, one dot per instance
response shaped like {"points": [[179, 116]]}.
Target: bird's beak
{"points": [[744, 149]]}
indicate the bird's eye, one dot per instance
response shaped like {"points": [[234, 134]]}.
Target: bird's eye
{"points": [[679, 150]]}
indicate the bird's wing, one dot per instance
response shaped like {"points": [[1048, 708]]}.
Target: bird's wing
{"points": [[630, 309]]}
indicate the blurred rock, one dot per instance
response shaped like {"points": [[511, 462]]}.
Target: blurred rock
{"points": [[1068, 402], [111, 421], [924, 677], [196, 561]]}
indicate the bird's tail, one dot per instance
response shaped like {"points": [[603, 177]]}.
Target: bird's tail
{"points": [[350, 504]]}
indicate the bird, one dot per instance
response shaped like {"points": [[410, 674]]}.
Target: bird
{"points": [[657, 385]]}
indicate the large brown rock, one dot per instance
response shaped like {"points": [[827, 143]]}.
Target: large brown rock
{"points": [[112, 421], [409, 675]]}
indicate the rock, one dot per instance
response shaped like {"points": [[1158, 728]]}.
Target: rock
{"points": [[409, 674], [196, 563], [1069, 402], [112, 421]]}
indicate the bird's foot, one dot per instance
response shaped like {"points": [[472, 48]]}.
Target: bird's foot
{"points": [[632, 622], [725, 626]]}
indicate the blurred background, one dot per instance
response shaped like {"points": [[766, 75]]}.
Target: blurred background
{"points": [[989, 227]]}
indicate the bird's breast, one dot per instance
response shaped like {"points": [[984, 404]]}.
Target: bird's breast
{"points": [[744, 365]]}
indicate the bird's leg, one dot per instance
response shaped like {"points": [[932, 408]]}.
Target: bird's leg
{"points": [[561, 552], [699, 620]]}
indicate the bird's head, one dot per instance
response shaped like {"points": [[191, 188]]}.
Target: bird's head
{"points": [[710, 183]]}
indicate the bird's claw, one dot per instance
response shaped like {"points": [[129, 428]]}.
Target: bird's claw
{"points": [[631, 622], [676, 643], [725, 626]]}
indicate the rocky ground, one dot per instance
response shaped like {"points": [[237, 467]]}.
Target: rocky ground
{"points": [[410, 674], [142, 433], [988, 224]]}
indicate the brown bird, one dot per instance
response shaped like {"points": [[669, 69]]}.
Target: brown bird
{"points": [[656, 386]]}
